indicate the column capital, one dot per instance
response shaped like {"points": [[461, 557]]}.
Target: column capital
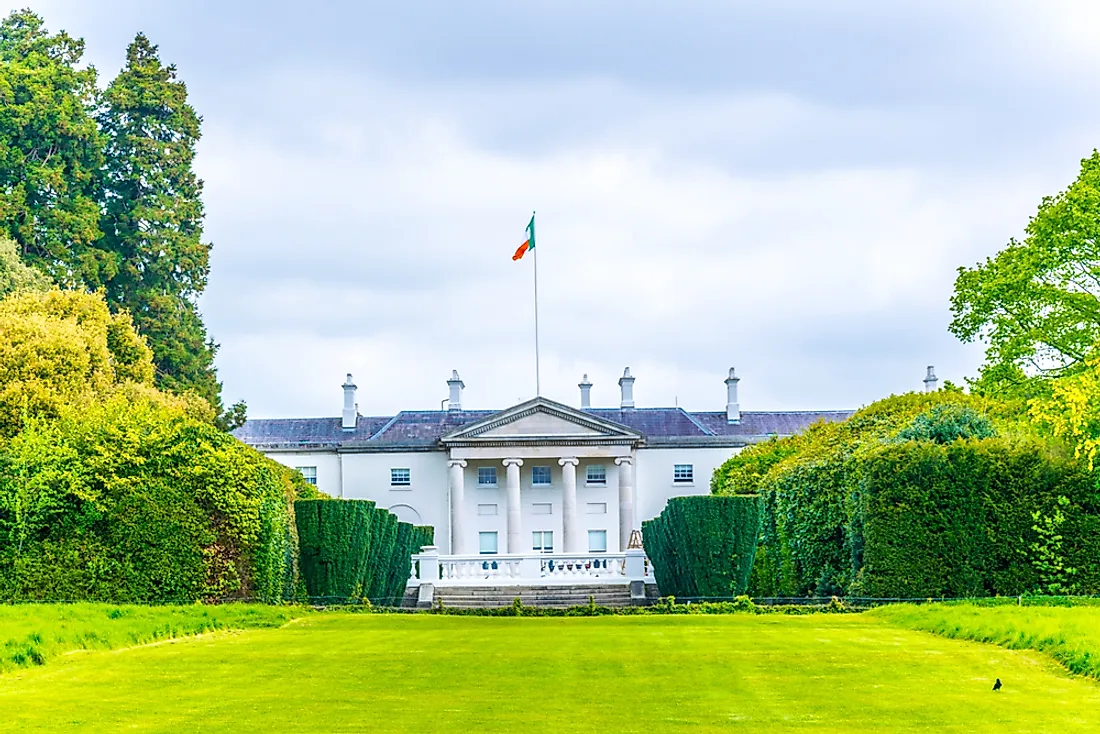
{"points": [[568, 460], [512, 462], [456, 462], [624, 460]]}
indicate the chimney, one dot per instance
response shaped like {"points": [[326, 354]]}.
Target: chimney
{"points": [[456, 384], [351, 408], [733, 408], [586, 393], [930, 380], [626, 384]]}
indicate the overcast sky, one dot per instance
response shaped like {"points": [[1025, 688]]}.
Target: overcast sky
{"points": [[786, 187]]}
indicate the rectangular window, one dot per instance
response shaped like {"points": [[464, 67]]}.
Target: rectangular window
{"points": [[487, 542], [310, 473], [400, 477], [542, 508], [542, 541], [486, 509], [486, 476], [597, 541], [683, 473], [597, 508], [596, 474], [540, 476]]}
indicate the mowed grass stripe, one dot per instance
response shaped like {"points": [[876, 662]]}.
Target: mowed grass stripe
{"points": [[338, 672]]}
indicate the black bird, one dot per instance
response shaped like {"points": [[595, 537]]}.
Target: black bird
{"points": [[997, 685]]}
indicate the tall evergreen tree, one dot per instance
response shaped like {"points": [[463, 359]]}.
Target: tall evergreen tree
{"points": [[51, 152], [152, 219]]}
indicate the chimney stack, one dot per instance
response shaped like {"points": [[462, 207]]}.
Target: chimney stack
{"points": [[586, 393], [930, 380], [733, 408], [351, 408], [456, 384], [626, 384]]}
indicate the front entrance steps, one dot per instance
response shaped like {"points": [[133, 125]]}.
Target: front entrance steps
{"points": [[551, 596]]}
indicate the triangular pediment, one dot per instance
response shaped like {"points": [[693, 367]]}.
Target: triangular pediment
{"points": [[541, 420]]}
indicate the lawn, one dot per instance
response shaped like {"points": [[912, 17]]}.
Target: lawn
{"points": [[32, 634], [391, 673], [1071, 635]]}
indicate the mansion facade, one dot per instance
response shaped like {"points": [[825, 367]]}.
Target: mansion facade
{"points": [[538, 477]]}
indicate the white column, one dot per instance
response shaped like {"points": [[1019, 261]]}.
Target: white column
{"points": [[458, 496], [570, 528], [515, 529], [626, 500]]}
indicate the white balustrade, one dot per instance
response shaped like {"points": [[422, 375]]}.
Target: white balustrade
{"points": [[528, 569]]}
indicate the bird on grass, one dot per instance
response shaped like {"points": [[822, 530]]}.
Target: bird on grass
{"points": [[997, 685]]}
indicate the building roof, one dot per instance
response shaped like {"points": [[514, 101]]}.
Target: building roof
{"points": [[423, 429]]}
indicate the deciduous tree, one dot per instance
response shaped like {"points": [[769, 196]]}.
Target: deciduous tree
{"points": [[1036, 303]]}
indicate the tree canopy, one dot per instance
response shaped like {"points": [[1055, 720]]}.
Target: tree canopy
{"points": [[1036, 303], [15, 275], [98, 191]]}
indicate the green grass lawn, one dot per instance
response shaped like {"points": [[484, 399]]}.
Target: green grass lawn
{"points": [[1071, 635], [32, 634], [391, 673]]}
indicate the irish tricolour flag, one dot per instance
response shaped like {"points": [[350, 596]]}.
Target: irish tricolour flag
{"points": [[530, 243]]}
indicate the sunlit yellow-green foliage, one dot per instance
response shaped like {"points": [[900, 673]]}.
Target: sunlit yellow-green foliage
{"points": [[61, 348], [1073, 410], [15, 275]]}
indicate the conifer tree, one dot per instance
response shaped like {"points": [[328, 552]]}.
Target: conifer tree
{"points": [[153, 218], [51, 153]]}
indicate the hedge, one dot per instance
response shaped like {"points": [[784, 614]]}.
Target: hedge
{"points": [[968, 519], [703, 546], [351, 550]]}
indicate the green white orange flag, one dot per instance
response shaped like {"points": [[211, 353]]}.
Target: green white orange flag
{"points": [[530, 243]]}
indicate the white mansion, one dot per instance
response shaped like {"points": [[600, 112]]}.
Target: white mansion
{"points": [[536, 478]]}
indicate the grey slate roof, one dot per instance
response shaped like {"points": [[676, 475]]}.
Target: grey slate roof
{"points": [[422, 429]]}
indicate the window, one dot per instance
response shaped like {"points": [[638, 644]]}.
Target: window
{"points": [[542, 508], [309, 472], [683, 474], [596, 474], [486, 476], [487, 542], [542, 541], [597, 541], [540, 476], [400, 477], [597, 508], [486, 509]]}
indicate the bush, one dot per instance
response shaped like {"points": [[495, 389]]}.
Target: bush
{"points": [[703, 546], [133, 501]]}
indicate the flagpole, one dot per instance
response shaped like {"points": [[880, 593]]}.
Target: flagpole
{"points": [[538, 384]]}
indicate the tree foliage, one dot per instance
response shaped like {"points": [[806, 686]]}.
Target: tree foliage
{"points": [[98, 191], [1036, 303], [15, 275], [51, 152], [153, 215]]}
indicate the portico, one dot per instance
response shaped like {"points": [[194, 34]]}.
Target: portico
{"points": [[539, 447]]}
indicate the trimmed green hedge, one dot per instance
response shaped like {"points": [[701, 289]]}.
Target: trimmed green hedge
{"points": [[703, 546], [968, 519], [352, 550]]}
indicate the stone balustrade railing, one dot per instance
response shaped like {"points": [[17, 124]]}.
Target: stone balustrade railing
{"points": [[529, 569]]}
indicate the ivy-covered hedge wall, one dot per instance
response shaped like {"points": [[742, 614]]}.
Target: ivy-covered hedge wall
{"points": [[703, 546], [352, 550], [128, 500], [921, 495]]}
